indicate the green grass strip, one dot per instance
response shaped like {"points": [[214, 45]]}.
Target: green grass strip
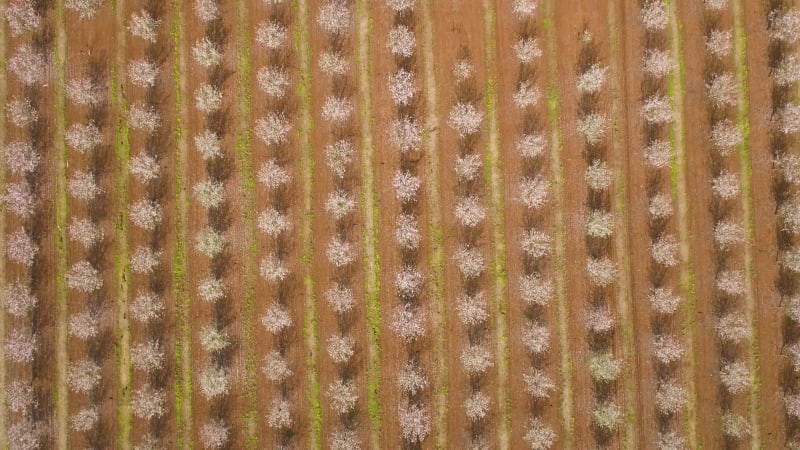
{"points": [[3, 137], [248, 186], [494, 170], [559, 255], [305, 123], [745, 169], [121, 260], [435, 233], [676, 90], [61, 399], [624, 306], [183, 342], [370, 238]]}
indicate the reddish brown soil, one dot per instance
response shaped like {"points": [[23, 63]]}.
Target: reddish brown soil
{"points": [[85, 48], [512, 125], [701, 225], [768, 312], [163, 330], [263, 341], [641, 181], [394, 353], [231, 309], [459, 33], [571, 20], [42, 373], [323, 230]]}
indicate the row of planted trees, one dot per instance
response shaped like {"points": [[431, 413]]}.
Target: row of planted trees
{"points": [[783, 26], [149, 225], [476, 356], [274, 81], [663, 273], [732, 328], [26, 295], [603, 364], [335, 18], [535, 286], [213, 377], [89, 173], [405, 138]]}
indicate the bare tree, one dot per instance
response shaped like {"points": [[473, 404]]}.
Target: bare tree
{"points": [[333, 63], [527, 50], [21, 16], [86, 9], [21, 112], [654, 15], [592, 80], [276, 319], [607, 416], [538, 384], [213, 382], [83, 277], [21, 248], [214, 434], [343, 395], [415, 423], [143, 25], [401, 41], [334, 17], [18, 299], [411, 379], [476, 359], [83, 375], [667, 349], [271, 35], [84, 138], [341, 348], [85, 419], [735, 377], [206, 53], [465, 119], [539, 436]]}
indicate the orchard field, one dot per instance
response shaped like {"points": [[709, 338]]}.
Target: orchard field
{"points": [[400, 224]]}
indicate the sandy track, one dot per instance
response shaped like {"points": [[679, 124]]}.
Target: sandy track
{"points": [[3, 97], [768, 308]]}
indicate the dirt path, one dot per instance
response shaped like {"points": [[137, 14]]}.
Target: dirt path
{"points": [[494, 165], [680, 197], [559, 255], [3, 137], [61, 427], [619, 105], [246, 179], [765, 225], [433, 196], [121, 267], [370, 237], [745, 171], [183, 343], [310, 334]]}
